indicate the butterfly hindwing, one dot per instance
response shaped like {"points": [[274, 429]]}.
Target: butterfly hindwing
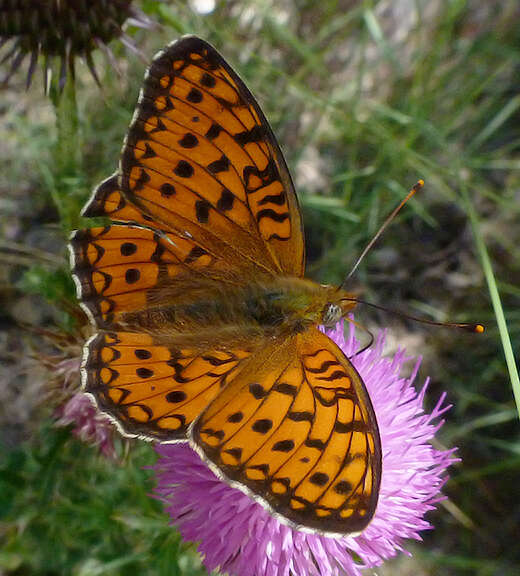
{"points": [[201, 157], [296, 427], [152, 390]]}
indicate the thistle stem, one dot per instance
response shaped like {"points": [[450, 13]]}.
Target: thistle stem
{"points": [[66, 152]]}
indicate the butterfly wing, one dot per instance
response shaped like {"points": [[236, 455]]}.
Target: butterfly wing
{"points": [[202, 189], [200, 158], [151, 390], [296, 427]]}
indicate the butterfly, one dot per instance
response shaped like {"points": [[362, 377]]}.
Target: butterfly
{"points": [[206, 330]]}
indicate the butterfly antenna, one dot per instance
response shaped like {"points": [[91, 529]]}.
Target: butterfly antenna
{"points": [[389, 219], [365, 329], [469, 327]]}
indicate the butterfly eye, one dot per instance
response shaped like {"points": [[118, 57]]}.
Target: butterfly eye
{"points": [[331, 314]]}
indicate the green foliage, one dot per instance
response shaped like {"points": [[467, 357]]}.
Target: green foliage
{"points": [[364, 103], [72, 511], [54, 285]]}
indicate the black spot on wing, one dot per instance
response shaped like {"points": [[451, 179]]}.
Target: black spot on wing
{"points": [[336, 375], [323, 368], [194, 96], [347, 427], [303, 416], [176, 396], [149, 152], [236, 417], [256, 134], [183, 169], [319, 479], [226, 200], [202, 211], [283, 446], [235, 452], [219, 434], [220, 165], [167, 190], [343, 487], [262, 426], [195, 253], [213, 131], [257, 390], [315, 443], [189, 140], [144, 372], [284, 388], [132, 275], [128, 248], [142, 354], [208, 80]]}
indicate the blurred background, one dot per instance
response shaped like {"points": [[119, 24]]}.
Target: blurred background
{"points": [[365, 97]]}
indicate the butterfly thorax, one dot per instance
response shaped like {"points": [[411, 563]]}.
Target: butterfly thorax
{"points": [[210, 310]]}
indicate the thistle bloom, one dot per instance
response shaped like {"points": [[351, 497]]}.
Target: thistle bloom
{"points": [[78, 411], [237, 536], [89, 425]]}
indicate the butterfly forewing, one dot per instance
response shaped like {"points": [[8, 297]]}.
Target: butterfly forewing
{"points": [[200, 157], [109, 201], [296, 427]]}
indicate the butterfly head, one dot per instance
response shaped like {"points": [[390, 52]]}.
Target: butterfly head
{"points": [[332, 313], [339, 304]]}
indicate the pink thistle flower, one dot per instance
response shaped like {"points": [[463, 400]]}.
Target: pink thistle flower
{"points": [[239, 537], [89, 425]]}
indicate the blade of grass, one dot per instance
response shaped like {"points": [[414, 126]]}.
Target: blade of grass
{"points": [[495, 296], [495, 123], [492, 419]]}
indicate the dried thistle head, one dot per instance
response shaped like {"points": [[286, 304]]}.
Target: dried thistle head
{"points": [[58, 355], [63, 30]]}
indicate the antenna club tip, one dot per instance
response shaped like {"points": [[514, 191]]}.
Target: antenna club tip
{"points": [[418, 186], [475, 328]]}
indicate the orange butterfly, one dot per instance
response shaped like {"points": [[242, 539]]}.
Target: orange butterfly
{"points": [[206, 329]]}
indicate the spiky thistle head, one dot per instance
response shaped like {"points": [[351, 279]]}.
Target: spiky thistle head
{"points": [[63, 30]]}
